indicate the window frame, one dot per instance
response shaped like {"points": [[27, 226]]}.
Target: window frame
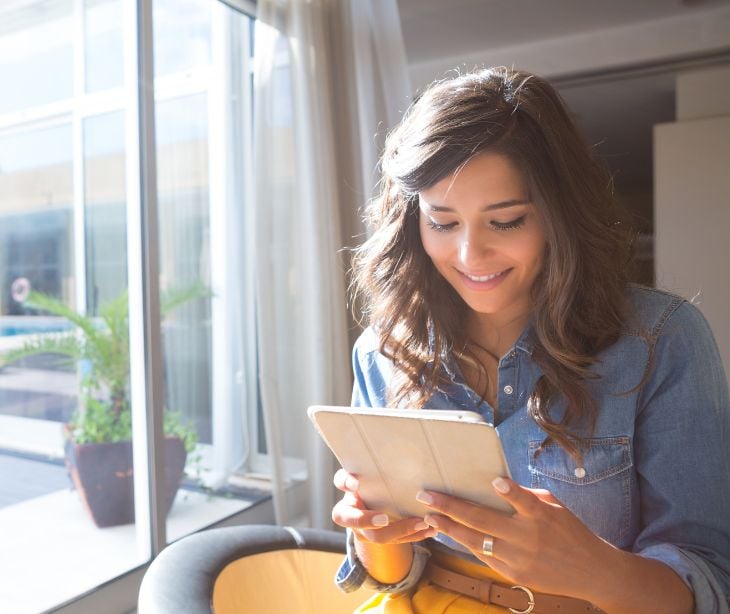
{"points": [[136, 101]]}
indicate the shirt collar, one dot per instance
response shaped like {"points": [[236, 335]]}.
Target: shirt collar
{"points": [[525, 343]]}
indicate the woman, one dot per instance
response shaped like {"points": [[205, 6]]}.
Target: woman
{"points": [[495, 281]]}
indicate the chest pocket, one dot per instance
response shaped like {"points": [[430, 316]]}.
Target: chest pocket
{"points": [[599, 492]]}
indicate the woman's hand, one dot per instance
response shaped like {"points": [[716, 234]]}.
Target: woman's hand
{"points": [[543, 545], [546, 547], [373, 526], [382, 546]]}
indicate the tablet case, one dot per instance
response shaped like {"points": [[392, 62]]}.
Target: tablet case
{"points": [[395, 453]]}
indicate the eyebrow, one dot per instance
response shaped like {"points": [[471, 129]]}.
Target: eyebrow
{"points": [[505, 204]]}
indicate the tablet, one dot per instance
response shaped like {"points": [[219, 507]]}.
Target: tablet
{"points": [[397, 452]]}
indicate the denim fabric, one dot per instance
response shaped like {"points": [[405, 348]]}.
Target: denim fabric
{"points": [[352, 574], [655, 477]]}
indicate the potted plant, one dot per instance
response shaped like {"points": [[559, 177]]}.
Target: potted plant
{"points": [[98, 446]]}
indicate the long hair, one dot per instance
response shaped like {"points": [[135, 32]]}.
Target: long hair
{"points": [[579, 295]]}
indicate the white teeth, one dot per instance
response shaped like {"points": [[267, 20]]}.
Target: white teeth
{"points": [[483, 277]]}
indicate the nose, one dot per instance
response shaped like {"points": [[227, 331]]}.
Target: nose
{"points": [[473, 247]]}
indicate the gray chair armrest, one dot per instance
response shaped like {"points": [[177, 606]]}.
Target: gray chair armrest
{"points": [[182, 577]]}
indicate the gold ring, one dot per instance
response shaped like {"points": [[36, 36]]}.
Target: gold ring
{"points": [[488, 546]]}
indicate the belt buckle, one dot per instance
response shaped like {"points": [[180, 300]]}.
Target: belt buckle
{"points": [[530, 601]]}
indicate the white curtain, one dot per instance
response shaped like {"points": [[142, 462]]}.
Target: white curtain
{"points": [[330, 80]]}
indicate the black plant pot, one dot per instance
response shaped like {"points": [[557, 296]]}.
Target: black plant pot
{"points": [[102, 474]]}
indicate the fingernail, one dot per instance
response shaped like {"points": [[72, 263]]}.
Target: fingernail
{"points": [[420, 526], [424, 497], [381, 520], [431, 521], [501, 485], [352, 483]]}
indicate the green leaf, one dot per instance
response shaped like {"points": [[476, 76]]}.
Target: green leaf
{"points": [[65, 344], [44, 302], [104, 343], [172, 299]]}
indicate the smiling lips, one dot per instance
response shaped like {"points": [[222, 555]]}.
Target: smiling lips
{"points": [[483, 277], [484, 281]]}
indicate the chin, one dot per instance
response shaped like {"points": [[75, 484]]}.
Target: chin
{"points": [[484, 310], [494, 305]]}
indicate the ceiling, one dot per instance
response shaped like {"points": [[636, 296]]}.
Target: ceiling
{"points": [[445, 28], [616, 113]]}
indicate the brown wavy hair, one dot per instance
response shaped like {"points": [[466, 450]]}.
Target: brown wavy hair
{"points": [[578, 297]]}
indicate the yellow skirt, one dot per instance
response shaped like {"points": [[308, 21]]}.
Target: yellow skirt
{"points": [[427, 598]]}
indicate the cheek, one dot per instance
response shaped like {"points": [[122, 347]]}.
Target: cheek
{"points": [[431, 245], [538, 262], [531, 251]]}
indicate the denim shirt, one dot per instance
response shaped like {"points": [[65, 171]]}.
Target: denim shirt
{"points": [[655, 478]]}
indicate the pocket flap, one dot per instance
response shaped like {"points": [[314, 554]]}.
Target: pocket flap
{"points": [[602, 458]]}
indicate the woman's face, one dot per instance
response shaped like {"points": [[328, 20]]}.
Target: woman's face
{"points": [[484, 236]]}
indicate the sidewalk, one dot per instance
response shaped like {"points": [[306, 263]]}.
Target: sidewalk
{"points": [[23, 478], [51, 551]]}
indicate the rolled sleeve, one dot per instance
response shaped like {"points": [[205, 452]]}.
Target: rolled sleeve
{"points": [[683, 459], [693, 569], [352, 574]]}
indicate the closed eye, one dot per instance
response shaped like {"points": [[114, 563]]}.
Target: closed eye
{"points": [[440, 227], [511, 225]]}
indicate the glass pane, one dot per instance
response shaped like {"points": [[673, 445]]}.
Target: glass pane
{"points": [[182, 167], [46, 528], [286, 250], [65, 449], [104, 189], [35, 39], [103, 39], [36, 200], [192, 213], [182, 35]]}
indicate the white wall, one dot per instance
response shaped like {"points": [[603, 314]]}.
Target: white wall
{"points": [[692, 198], [703, 93], [646, 42]]}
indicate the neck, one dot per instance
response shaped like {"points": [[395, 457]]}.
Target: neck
{"points": [[494, 333]]}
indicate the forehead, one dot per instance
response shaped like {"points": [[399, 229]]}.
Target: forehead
{"points": [[487, 177]]}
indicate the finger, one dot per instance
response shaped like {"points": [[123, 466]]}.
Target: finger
{"points": [[353, 499], [357, 518], [400, 531], [480, 518], [345, 481], [524, 500], [418, 536], [466, 536], [546, 496], [498, 565]]}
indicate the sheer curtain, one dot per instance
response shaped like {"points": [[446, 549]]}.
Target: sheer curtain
{"points": [[330, 80]]}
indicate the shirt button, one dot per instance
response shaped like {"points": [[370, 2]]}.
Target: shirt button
{"points": [[508, 389], [580, 472]]}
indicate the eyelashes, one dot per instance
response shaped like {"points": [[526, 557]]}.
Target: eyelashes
{"points": [[511, 225], [440, 227]]}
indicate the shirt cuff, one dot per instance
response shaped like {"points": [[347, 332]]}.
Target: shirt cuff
{"points": [[710, 598], [352, 573]]}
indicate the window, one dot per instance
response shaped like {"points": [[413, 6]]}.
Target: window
{"points": [[64, 198]]}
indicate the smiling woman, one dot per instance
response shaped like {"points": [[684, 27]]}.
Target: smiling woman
{"points": [[496, 281], [490, 254]]}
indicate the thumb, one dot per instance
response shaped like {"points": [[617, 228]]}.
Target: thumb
{"points": [[546, 496]]}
